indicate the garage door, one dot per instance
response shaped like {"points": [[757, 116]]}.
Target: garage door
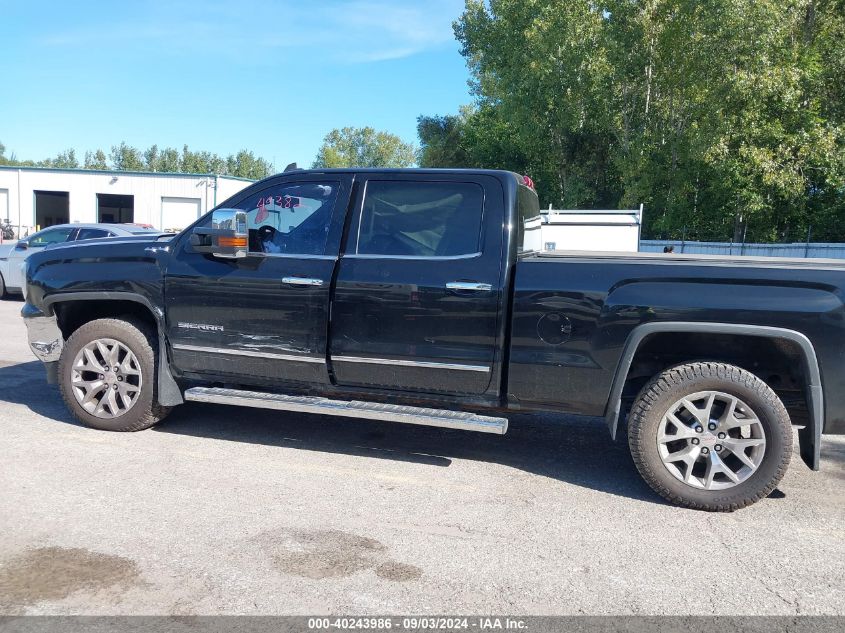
{"points": [[4, 205], [177, 213]]}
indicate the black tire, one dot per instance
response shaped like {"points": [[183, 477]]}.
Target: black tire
{"points": [[2, 287], [142, 341], [666, 389]]}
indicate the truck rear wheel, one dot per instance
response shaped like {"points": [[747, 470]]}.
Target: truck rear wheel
{"points": [[107, 375], [710, 436]]}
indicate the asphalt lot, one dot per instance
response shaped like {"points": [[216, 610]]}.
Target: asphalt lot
{"points": [[230, 510]]}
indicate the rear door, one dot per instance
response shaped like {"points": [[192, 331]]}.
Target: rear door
{"points": [[417, 298], [263, 318]]}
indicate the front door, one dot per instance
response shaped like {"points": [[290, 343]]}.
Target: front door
{"points": [[263, 317], [417, 299]]}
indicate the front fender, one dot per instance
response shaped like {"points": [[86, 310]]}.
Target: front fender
{"points": [[38, 322]]}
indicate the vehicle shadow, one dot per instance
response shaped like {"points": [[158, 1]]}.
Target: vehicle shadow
{"points": [[570, 449], [26, 383]]}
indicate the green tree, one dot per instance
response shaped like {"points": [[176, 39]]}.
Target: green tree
{"points": [[722, 116], [477, 137], [126, 158], [542, 66], [95, 160], [12, 160], [442, 141], [66, 159], [201, 162], [168, 160], [364, 147], [246, 165], [152, 158]]}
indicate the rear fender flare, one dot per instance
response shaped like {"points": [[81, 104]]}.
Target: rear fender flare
{"points": [[809, 436]]}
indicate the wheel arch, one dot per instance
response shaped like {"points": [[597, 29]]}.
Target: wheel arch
{"points": [[809, 436], [68, 309]]}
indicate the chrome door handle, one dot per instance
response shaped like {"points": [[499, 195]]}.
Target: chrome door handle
{"points": [[468, 285], [302, 281]]}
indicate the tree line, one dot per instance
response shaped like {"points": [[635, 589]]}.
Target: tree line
{"points": [[726, 118], [342, 147], [123, 157]]}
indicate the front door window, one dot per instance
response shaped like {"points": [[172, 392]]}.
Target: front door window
{"points": [[51, 236], [290, 219]]}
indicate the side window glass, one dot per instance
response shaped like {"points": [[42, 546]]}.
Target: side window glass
{"points": [[291, 218], [91, 234], [50, 237], [421, 219]]}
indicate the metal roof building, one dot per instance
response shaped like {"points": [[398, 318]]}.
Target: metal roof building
{"points": [[41, 196]]}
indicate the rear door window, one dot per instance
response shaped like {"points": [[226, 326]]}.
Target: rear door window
{"points": [[92, 234], [420, 219]]}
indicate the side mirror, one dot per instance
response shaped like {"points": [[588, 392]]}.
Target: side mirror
{"points": [[21, 246], [228, 236]]}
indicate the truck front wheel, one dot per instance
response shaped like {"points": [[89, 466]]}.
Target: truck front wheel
{"points": [[710, 436], [107, 375]]}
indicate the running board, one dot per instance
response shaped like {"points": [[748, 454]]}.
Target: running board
{"points": [[354, 409]]}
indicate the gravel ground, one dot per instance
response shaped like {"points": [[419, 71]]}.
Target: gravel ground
{"points": [[232, 510]]}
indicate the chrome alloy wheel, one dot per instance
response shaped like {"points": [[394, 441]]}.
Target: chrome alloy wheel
{"points": [[711, 440], [106, 378]]}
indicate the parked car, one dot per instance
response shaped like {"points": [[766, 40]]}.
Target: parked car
{"points": [[12, 256], [408, 296]]}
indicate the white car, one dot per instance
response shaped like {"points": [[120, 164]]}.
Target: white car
{"points": [[12, 256]]}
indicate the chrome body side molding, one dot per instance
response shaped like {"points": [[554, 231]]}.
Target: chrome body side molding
{"points": [[409, 363], [247, 352]]}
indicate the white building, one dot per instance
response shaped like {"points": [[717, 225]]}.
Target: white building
{"points": [[33, 197], [594, 230]]}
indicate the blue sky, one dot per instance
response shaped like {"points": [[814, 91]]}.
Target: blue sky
{"points": [[273, 77]]}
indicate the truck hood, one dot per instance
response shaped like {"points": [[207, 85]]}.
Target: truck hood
{"points": [[133, 264]]}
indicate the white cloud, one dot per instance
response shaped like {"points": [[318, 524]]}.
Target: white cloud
{"points": [[354, 31]]}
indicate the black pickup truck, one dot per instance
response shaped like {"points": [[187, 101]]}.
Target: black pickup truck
{"points": [[410, 296]]}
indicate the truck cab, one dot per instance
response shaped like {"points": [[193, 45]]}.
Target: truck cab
{"points": [[380, 281]]}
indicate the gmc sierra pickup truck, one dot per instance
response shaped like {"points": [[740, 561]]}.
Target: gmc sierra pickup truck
{"points": [[411, 296]]}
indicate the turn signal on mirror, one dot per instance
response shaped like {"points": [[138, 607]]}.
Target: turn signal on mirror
{"points": [[232, 242]]}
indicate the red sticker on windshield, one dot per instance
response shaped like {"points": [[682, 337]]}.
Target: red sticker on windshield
{"points": [[262, 209]]}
